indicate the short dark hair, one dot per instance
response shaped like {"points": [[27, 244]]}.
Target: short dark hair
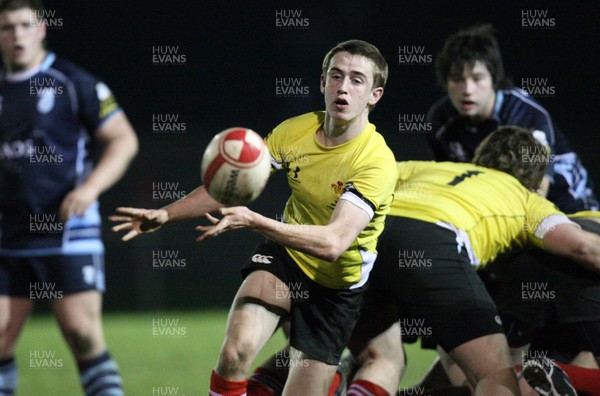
{"points": [[468, 46], [11, 5], [35, 5], [508, 149], [369, 51]]}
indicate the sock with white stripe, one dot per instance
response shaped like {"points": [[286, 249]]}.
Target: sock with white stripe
{"points": [[100, 376]]}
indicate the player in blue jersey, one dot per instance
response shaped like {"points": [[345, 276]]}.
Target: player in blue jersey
{"points": [[480, 100], [51, 112]]}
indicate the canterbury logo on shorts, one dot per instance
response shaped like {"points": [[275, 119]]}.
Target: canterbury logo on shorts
{"points": [[259, 258]]}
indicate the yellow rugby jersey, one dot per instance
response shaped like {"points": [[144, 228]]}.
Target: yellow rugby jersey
{"points": [[362, 171], [492, 207]]}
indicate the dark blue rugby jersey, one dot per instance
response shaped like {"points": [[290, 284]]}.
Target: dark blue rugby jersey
{"points": [[454, 138], [47, 120]]}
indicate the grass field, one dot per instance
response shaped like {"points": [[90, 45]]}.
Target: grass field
{"points": [[160, 353]]}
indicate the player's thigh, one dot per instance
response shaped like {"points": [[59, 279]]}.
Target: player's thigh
{"points": [[377, 316], [80, 311], [256, 312], [13, 314], [307, 376], [482, 356], [382, 360]]}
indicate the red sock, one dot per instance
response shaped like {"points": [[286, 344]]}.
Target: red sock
{"points": [[583, 379], [220, 386], [264, 383], [366, 388], [334, 384]]}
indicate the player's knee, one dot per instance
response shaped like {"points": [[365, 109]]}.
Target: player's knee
{"points": [[385, 347], [392, 356], [8, 336], [236, 359], [495, 367], [4, 316], [81, 340], [3, 326]]}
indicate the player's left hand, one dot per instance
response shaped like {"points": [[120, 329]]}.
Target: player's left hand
{"points": [[77, 202], [233, 218]]}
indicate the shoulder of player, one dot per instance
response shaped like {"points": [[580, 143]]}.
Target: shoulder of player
{"points": [[377, 142], [296, 127], [304, 120], [72, 72], [518, 103]]}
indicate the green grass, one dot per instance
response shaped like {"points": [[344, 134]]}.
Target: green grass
{"points": [[179, 362]]}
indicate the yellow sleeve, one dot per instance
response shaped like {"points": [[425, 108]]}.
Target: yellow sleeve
{"points": [[376, 183], [542, 215]]}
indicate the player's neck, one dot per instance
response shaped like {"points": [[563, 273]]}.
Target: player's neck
{"points": [[35, 63], [334, 132]]}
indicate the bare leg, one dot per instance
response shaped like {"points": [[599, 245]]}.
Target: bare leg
{"points": [[486, 363], [382, 360], [253, 317], [308, 376], [79, 316], [13, 313]]}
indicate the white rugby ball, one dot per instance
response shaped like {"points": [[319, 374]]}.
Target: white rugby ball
{"points": [[236, 166]]}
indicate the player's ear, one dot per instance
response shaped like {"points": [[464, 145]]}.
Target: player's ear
{"points": [[322, 85], [376, 94]]}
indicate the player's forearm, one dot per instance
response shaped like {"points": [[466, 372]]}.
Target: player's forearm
{"points": [[319, 241], [587, 251], [113, 163], [195, 204], [581, 246]]}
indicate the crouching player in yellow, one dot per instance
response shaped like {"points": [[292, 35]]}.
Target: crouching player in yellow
{"points": [[446, 220]]}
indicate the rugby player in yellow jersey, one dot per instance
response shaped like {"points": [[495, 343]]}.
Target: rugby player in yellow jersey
{"points": [[446, 219], [342, 177]]}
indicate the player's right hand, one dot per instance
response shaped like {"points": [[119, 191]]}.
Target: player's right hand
{"points": [[138, 221]]}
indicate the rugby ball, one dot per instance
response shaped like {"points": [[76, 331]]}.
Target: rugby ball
{"points": [[235, 166]]}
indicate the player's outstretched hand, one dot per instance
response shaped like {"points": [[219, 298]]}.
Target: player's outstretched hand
{"points": [[233, 218], [138, 221]]}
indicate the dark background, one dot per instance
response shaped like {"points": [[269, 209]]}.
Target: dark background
{"points": [[234, 54]]}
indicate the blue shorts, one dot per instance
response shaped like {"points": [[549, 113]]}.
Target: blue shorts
{"points": [[51, 277]]}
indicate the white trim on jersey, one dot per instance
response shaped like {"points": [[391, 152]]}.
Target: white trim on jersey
{"points": [[368, 259], [550, 222], [274, 163], [351, 197], [462, 239]]}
